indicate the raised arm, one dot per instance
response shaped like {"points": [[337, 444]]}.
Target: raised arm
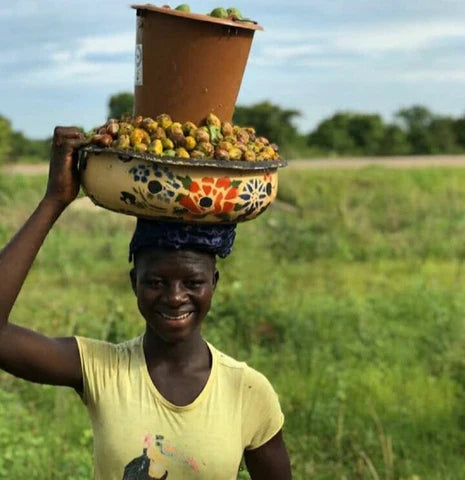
{"points": [[25, 353]]}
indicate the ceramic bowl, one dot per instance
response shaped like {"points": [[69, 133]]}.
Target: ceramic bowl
{"points": [[175, 189]]}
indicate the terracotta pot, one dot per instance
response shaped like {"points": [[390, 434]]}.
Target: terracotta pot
{"points": [[188, 65], [188, 190]]}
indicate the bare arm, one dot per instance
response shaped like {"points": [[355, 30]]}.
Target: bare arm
{"points": [[269, 461], [25, 353]]}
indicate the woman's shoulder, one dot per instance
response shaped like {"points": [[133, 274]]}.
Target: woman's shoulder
{"points": [[248, 374], [91, 347], [225, 360]]}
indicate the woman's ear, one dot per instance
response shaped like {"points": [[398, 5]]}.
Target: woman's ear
{"points": [[216, 279], [133, 276]]}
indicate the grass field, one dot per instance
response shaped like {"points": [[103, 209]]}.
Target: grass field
{"points": [[353, 305]]}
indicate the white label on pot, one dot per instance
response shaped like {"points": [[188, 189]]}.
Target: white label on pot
{"points": [[138, 77]]}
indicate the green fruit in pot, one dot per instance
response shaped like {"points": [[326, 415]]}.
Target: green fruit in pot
{"points": [[234, 12], [215, 134], [183, 8], [169, 153], [219, 12]]}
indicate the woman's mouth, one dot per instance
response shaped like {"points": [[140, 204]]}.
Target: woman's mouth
{"points": [[179, 319]]}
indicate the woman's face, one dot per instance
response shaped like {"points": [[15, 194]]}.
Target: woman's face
{"points": [[174, 289]]}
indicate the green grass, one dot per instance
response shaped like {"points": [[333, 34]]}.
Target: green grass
{"points": [[353, 306]]}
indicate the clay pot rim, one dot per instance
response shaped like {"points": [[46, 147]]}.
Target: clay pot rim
{"points": [[200, 17], [187, 162]]}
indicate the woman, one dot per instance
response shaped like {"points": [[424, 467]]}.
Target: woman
{"points": [[164, 405]]}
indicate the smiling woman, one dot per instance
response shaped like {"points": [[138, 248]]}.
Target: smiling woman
{"points": [[166, 404]]}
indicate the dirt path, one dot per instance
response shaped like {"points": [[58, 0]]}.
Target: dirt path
{"points": [[388, 162], [25, 168], [457, 161]]}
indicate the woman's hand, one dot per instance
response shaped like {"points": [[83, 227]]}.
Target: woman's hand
{"points": [[63, 178]]}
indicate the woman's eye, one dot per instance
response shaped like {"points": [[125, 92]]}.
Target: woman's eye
{"points": [[154, 283], [194, 283]]}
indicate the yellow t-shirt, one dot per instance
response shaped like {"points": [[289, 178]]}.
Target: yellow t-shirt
{"points": [[138, 434]]}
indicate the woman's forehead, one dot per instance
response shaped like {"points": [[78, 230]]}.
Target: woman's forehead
{"points": [[161, 258]]}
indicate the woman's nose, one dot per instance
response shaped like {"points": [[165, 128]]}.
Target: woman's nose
{"points": [[175, 293]]}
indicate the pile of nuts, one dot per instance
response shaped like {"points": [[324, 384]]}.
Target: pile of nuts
{"points": [[163, 137]]}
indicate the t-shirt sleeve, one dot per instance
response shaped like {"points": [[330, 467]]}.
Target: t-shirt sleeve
{"points": [[262, 414], [98, 362]]}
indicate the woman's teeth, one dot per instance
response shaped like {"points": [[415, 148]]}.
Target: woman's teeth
{"points": [[175, 317]]}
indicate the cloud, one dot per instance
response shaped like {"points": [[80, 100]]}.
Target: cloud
{"points": [[106, 44], [81, 73], [93, 60], [391, 43], [409, 36], [435, 75]]}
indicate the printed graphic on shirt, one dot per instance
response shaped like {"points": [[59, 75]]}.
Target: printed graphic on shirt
{"points": [[153, 463]]}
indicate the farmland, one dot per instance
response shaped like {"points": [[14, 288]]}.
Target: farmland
{"points": [[351, 300]]}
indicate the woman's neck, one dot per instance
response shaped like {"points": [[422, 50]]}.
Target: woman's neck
{"points": [[193, 351]]}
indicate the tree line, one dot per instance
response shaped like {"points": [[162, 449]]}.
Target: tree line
{"points": [[414, 131]]}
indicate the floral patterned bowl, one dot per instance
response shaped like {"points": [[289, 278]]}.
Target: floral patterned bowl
{"points": [[175, 189]]}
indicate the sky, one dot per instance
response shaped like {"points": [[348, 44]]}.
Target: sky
{"points": [[61, 60]]}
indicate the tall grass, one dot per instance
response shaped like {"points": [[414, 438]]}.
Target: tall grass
{"points": [[353, 306]]}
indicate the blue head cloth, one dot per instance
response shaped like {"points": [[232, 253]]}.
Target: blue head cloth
{"points": [[214, 239]]}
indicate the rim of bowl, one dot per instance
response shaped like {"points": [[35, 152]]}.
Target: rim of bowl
{"points": [[186, 162]]}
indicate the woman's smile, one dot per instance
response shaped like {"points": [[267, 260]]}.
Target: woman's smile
{"points": [[176, 320]]}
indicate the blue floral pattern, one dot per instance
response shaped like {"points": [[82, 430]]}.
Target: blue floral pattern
{"points": [[256, 194], [156, 188], [140, 173]]}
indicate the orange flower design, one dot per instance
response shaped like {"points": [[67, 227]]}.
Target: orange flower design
{"points": [[210, 196]]}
